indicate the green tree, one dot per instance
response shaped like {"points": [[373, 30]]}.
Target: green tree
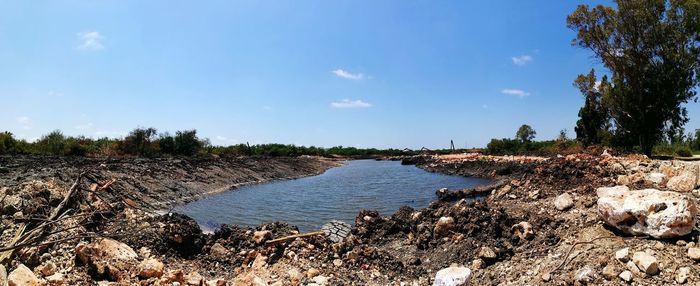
{"points": [[187, 143], [562, 136], [166, 144], [593, 116], [52, 143], [651, 47], [7, 143], [525, 133], [139, 142]]}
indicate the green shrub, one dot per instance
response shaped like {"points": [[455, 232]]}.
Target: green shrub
{"points": [[8, 144], [187, 143], [53, 143], [139, 142], [684, 151]]}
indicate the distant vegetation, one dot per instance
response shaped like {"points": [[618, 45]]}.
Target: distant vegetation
{"points": [[147, 142], [523, 144]]}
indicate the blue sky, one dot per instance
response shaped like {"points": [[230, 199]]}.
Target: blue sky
{"points": [[354, 73]]}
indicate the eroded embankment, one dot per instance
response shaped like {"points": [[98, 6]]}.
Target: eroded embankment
{"points": [[159, 183]]}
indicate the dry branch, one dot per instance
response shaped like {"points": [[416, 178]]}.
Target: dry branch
{"points": [[291, 237], [580, 243]]}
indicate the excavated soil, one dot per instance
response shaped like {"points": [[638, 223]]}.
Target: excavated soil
{"points": [[512, 236]]}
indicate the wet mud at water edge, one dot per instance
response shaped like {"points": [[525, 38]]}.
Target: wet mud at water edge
{"points": [[338, 194]]}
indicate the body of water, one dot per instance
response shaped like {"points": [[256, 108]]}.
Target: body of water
{"points": [[338, 194]]}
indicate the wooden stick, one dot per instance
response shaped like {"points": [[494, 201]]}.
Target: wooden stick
{"points": [[63, 203], [107, 185], [288, 238], [579, 243]]}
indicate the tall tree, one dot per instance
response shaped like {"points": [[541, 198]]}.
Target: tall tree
{"points": [[593, 116], [652, 50], [525, 133]]}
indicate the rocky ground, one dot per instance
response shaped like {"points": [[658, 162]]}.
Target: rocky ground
{"points": [[573, 220]]}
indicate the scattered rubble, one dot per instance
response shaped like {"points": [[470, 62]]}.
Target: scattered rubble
{"points": [[524, 230]]}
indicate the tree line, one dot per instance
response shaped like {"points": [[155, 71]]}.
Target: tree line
{"points": [[147, 142]]}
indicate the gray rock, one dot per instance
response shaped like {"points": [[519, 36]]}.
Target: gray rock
{"points": [[626, 276], [453, 276], [584, 275], [646, 263], [564, 202], [659, 214], [694, 253], [321, 280], [682, 274], [655, 178], [623, 255]]}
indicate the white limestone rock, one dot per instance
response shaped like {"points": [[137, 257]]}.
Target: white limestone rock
{"points": [[660, 214]]}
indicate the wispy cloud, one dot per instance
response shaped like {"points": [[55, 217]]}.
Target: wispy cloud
{"points": [[522, 60], [24, 122], [515, 92], [85, 126], [348, 75], [90, 40], [347, 103]]}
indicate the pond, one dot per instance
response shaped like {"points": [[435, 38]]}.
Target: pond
{"points": [[338, 194]]}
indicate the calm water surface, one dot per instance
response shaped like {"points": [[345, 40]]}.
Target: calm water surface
{"points": [[339, 193]]}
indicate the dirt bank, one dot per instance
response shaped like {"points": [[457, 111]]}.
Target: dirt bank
{"points": [[159, 183], [517, 235]]}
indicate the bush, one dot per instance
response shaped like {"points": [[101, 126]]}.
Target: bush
{"points": [[684, 151], [187, 143], [166, 143], [53, 143], [139, 142], [8, 144], [74, 147]]}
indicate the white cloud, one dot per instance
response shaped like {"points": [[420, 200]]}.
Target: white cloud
{"points": [[90, 40], [347, 103], [24, 122], [85, 126], [522, 60], [515, 92], [348, 75]]}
